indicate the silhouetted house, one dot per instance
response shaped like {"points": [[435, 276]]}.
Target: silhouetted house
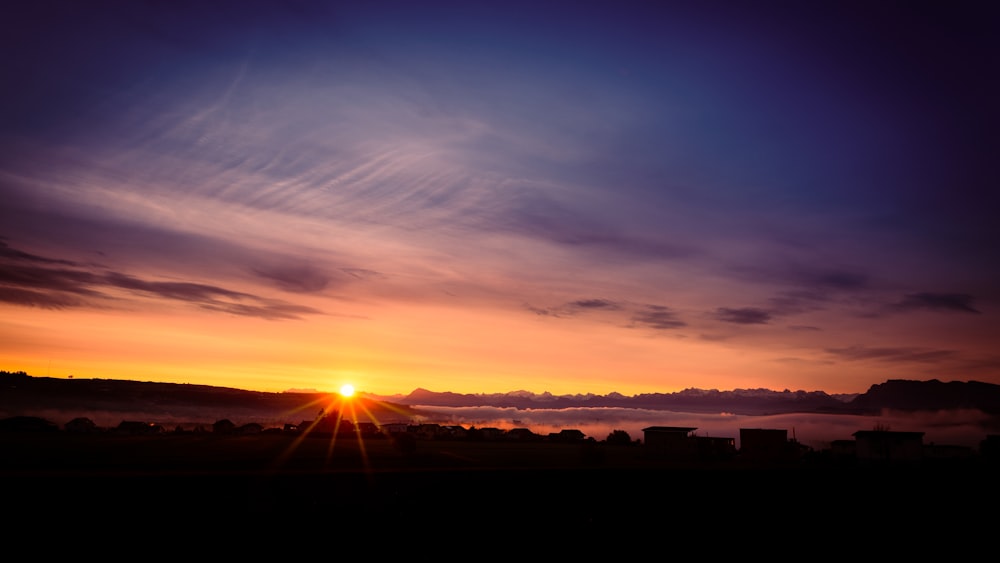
{"points": [[522, 435], [366, 429], [224, 426], [766, 445], [490, 433], [327, 424], [455, 431], [81, 425], [249, 428], [887, 445], [671, 442], [427, 431], [137, 427], [568, 435], [394, 428]]}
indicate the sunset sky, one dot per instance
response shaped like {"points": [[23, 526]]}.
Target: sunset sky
{"points": [[563, 197]]}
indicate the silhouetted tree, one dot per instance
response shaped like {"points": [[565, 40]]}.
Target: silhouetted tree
{"points": [[619, 438]]}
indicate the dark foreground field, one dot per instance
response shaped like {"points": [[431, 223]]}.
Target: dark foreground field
{"points": [[352, 484]]}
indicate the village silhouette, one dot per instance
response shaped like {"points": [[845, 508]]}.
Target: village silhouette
{"points": [[343, 470]]}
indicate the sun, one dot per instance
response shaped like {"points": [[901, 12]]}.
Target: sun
{"points": [[346, 390]]}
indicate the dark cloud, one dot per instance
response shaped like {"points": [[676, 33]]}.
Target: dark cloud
{"points": [[574, 307], [8, 252], [794, 302], [658, 317], [24, 280], [902, 354], [743, 316], [814, 282], [548, 220], [184, 291], [41, 279], [834, 279], [960, 302], [302, 278], [593, 304], [40, 299], [540, 311], [271, 310]]}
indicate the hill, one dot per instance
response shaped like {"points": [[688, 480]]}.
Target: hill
{"points": [[109, 401]]}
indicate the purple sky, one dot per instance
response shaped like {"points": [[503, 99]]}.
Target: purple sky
{"points": [[481, 197]]}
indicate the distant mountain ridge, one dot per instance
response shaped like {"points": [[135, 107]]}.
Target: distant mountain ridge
{"points": [[898, 394], [21, 393]]}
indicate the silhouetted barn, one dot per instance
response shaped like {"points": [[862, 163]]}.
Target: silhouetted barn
{"points": [[887, 445]]}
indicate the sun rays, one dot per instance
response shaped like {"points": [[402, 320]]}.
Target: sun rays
{"points": [[340, 417]]}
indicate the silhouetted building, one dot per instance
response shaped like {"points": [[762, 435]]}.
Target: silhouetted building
{"points": [[224, 426], [843, 450], [671, 442], [394, 428], [714, 448], [886, 445], [571, 435], [766, 444], [250, 428], [81, 425], [138, 427], [455, 432], [522, 435]]}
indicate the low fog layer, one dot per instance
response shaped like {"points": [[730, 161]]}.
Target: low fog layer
{"points": [[949, 427], [961, 427]]}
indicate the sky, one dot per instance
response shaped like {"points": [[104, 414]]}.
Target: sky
{"points": [[563, 197]]}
